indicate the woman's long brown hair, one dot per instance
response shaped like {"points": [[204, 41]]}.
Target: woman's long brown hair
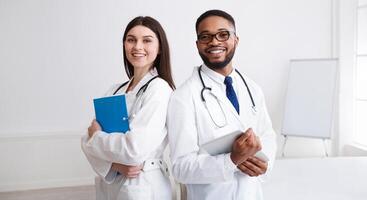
{"points": [[162, 63]]}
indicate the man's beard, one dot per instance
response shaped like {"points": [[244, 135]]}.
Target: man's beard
{"points": [[218, 65]]}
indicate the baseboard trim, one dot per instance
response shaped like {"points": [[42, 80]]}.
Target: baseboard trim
{"points": [[9, 187]]}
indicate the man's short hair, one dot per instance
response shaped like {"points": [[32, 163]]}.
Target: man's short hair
{"points": [[219, 13]]}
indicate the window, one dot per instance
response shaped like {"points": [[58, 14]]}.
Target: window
{"points": [[360, 135]]}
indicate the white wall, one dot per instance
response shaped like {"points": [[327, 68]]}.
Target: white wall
{"points": [[55, 56], [52, 160], [346, 48]]}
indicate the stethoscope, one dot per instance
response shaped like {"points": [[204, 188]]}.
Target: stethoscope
{"points": [[141, 91], [220, 125]]}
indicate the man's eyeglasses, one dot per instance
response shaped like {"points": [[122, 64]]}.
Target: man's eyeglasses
{"points": [[221, 36]]}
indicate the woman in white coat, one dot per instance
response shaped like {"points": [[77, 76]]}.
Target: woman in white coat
{"points": [[130, 165]]}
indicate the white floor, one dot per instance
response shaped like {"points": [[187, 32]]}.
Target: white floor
{"points": [[331, 178], [66, 193]]}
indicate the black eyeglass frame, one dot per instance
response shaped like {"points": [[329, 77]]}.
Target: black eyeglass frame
{"points": [[216, 35]]}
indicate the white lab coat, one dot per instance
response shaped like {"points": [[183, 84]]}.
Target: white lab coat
{"points": [[144, 143], [189, 125]]}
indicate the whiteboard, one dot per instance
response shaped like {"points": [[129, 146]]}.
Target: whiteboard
{"points": [[310, 98]]}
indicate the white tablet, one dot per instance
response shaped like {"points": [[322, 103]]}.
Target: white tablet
{"points": [[224, 145]]}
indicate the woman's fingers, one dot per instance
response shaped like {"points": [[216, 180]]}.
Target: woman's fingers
{"points": [[126, 170]]}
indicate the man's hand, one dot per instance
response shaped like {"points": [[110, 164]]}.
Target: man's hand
{"points": [[126, 170], [94, 126], [253, 166], [245, 146]]}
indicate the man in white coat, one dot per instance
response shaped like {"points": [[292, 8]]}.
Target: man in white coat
{"points": [[215, 101]]}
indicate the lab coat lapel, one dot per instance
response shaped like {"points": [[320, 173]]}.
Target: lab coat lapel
{"points": [[132, 99]]}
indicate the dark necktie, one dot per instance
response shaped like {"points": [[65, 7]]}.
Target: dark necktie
{"points": [[231, 94]]}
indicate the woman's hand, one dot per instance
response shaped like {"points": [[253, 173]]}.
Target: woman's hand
{"points": [[94, 127], [126, 170]]}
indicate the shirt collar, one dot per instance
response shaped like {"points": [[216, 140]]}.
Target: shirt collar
{"points": [[215, 76]]}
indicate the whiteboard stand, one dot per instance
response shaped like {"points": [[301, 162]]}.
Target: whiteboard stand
{"points": [[310, 99], [325, 147], [285, 141]]}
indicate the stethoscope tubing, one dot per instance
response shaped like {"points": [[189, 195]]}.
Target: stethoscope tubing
{"points": [[141, 89], [209, 88]]}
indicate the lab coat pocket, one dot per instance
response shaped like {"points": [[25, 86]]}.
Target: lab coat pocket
{"points": [[135, 192]]}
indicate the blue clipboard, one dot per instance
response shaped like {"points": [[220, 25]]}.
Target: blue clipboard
{"points": [[111, 113]]}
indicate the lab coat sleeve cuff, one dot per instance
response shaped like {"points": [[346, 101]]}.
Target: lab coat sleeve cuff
{"points": [[228, 163], [101, 167], [110, 177]]}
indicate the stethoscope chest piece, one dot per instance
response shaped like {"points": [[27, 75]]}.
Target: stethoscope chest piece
{"points": [[254, 110]]}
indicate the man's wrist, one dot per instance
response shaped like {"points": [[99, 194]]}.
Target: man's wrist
{"points": [[235, 158]]}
